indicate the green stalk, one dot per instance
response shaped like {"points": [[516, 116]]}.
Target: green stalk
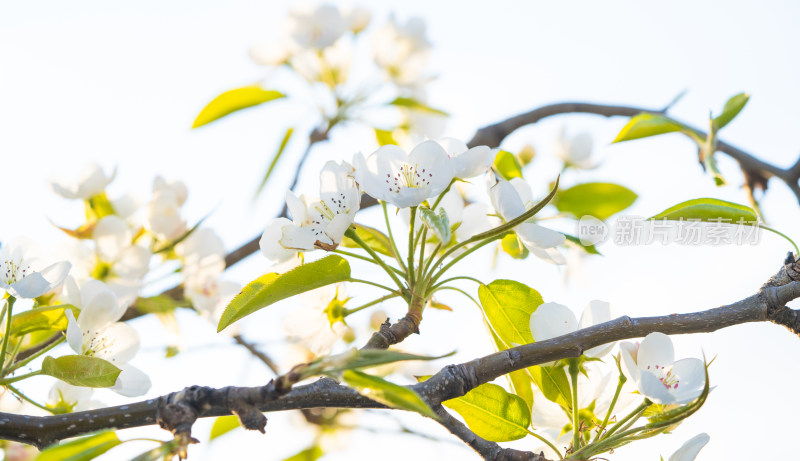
{"points": [[577, 436], [364, 258], [29, 400], [430, 260], [354, 236], [27, 360], [620, 383], [371, 303], [796, 251], [459, 258], [6, 381], [10, 304], [460, 277], [411, 274], [635, 413], [395, 251], [422, 254], [546, 442], [367, 282]]}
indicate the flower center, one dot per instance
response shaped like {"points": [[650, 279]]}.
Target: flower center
{"points": [[13, 271], [98, 344], [409, 176], [666, 377]]}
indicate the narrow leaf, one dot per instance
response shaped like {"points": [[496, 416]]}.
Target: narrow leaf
{"points": [[374, 238], [733, 106], [710, 210], [507, 165], [493, 413], [81, 370], [389, 394], [275, 158], [223, 425], [508, 306], [82, 449], [234, 100], [601, 200], [271, 288], [415, 104], [645, 125]]}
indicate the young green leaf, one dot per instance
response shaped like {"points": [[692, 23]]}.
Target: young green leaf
{"points": [[374, 239], [601, 200], [512, 246], [493, 413], [223, 425], [507, 165], [389, 394], [275, 158], [520, 380], [51, 318], [158, 304], [234, 100], [271, 288], [645, 125], [162, 452], [710, 210], [437, 222], [508, 306], [312, 453], [81, 370], [733, 106], [82, 449], [357, 359], [384, 137], [415, 104], [553, 383]]}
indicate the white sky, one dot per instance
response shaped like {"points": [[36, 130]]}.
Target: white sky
{"points": [[121, 83]]}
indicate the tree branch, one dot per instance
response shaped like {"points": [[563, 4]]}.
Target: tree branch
{"points": [[178, 410]]}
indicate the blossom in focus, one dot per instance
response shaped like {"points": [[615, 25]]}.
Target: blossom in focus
{"points": [[98, 333], [22, 276], [316, 223], [659, 377], [551, 320], [690, 449], [92, 181], [575, 150], [467, 162], [404, 180], [510, 200]]}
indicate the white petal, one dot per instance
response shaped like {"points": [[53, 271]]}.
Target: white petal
{"points": [[269, 243], [651, 387], [473, 162], [689, 450], [71, 292], [111, 235], [300, 238], [474, 220], [595, 313], [132, 382], [132, 263], [506, 200], [628, 352], [100, 306], [536, 235], [337, 227], [691, 378], [551, 255], [118, 343], [655, 349], [430, 156], [452, 146], [551, 320], [74, 334], [296, 207], [453, 205], [524, 191]]}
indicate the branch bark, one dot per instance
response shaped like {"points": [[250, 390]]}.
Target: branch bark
{"points": [[178, 410]]}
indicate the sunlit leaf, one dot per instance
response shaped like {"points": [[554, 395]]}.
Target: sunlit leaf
{"points": [[389, 394], [520, 380], [234, 100], [415, 104], [81, 370], [507, 165], [374, 239], [553, 383], [271, 288], [645, 125], [51, 318], [384, 137], [162, 452], [591, 249], [158, 304], [601, 200], [223, 425], [512, 246], [309, 454], [492, 413], [366, 358], [82, 449], [733, 106], [710, 210], [508, 306]]}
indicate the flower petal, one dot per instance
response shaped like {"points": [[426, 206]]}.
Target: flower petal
{"points": [[539, 236], [628, 352], [689, 450], [117, 343], [651, 387], [691, 377], [655, 349], [74, 334], [132, 382], [269, 243], [551, 320], [505, 199], [550, 255], [100, 306], [111, 235]]}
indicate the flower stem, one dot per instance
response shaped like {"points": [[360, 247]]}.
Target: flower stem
{"points": [[422, 253], [7, 381], [459, 257], [460, 277], [546, 442], [367, 282], [29, 400], [577, 436], [411, 275], [371, 303], [27, 360], [635, 413], [364, 258], [354, 236], [10, 306], [395, 251], [603, 426]]}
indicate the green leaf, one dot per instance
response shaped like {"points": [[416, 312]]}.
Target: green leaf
{"points": [[493, 413], [281, 149], [508, 306], [223, 425], [357, 359], [597, 199], [51, 318], [507, 165], [82, 449], [234, 100], [710, 210], [553, 383], [384, 137], [415, 104], [374, 239], [164, 451], [646, 124], [312, 453], [81, 370], [389, 394], [271, 288], [733, 106], [512, 246], [520, 380], [591, 249], [437, 221], [158, 304]]}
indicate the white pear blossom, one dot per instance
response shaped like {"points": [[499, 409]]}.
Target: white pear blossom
{"points": [[71, 398], [330, 65], [318, 27], [691, 448], [203, 285], [551, 320], [467, 162], [164, 214], [317, 223], [22, 276], [659, 377], [97, 333], [309, 325], [357, 18], [576, 150], [402, 50], [199, 245], [92, 181], [510, 200], [404, 180]]}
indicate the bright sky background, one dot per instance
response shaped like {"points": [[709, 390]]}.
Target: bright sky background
{"points": [[120, 83]]}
